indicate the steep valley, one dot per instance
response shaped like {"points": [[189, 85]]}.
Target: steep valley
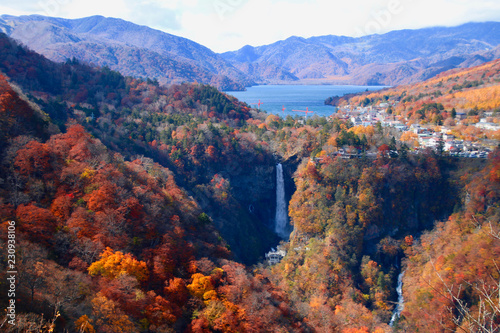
{"points": [[140, 207]]}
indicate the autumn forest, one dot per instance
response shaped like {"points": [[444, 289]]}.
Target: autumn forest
{"points": [[141, 207]]}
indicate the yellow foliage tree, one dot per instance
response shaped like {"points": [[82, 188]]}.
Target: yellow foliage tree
{"points": [[271, 118], [84, 324], [209, 296], [317, 301], [332, 141], [87, 173], [113, 264], [360, 130], [409, 137], [200, 286], [486, 98]]}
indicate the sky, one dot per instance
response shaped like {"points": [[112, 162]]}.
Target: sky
{"points": [[228, 25]]}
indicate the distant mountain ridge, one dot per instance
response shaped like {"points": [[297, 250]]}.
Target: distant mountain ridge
{"points": [[396, 57], [124, 46]]}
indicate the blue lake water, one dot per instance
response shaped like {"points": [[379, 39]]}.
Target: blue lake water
{"points": [[296, 97]]}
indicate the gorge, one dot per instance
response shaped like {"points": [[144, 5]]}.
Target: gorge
{"points": [[159, 203]]}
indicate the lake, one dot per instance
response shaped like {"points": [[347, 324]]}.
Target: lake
{"points": [[296, 97]]}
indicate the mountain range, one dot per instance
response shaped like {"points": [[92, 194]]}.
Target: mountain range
{"points": [[397, 57], [123, 46]]}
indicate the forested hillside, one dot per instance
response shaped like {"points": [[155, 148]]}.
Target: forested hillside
{"points": [[146, 208], [475, 89], [452, 274], [109, 245]]}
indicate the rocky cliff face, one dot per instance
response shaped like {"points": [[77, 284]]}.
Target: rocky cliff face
{"points": [[245, 217], [248, 226]]}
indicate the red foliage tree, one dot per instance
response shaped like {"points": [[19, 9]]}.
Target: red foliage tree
{"points": [[176, 291], [74, 144], [81, 223], [211, 151], [34, 160], [13, 110], [383, 149], [159, 311], [38, 223], [103, 197], [61, 207]]}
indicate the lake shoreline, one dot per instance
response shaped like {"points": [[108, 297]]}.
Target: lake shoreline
{"points": [[298, 99]]}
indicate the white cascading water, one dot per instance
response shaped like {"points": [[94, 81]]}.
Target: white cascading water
{"points": [[281, 211], [401, 303]]}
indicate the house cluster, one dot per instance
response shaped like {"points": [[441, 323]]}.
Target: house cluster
{"points": [[487, 125], [427, 138], [370, 116]]}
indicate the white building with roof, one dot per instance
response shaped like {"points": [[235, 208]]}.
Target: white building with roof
{"points": [[487, 126], [273, 257]]}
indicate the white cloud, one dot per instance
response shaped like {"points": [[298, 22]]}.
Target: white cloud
{"points": [[76, 8], [13, 11]]}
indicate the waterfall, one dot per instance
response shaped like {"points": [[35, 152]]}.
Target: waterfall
{"points": [[281, 209], [401, 303]]}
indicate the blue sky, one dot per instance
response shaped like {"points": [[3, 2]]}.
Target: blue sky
{"points": [[225, 25]]}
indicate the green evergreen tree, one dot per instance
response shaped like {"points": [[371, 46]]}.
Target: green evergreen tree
{"points": [[453, 113]]}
